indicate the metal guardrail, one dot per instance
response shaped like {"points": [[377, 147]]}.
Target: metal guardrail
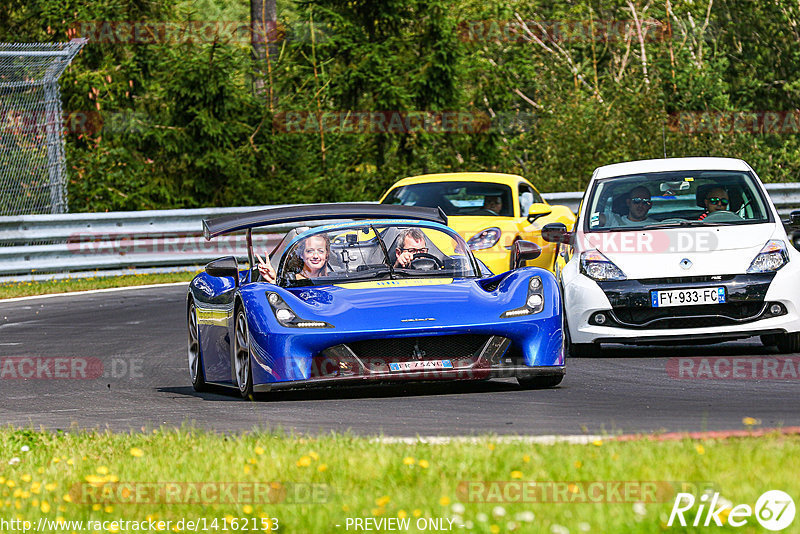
{"points": [[36, 246]]}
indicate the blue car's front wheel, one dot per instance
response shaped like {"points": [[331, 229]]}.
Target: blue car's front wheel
{"points": [[241, 356], [196, 372]]}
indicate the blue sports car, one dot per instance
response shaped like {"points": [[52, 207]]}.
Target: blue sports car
{"points": [[390, 294]]}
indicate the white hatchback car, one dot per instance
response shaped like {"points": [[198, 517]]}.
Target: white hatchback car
{"points": [[678, 250]]}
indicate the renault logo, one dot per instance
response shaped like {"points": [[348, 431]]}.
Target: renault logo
{"points": [[686, 263]]}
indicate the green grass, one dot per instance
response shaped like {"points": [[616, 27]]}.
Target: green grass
{"points": [[345, 476], [25, 289]]}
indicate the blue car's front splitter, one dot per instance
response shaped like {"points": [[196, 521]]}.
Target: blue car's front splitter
{"points": [[447, 375], [386, 360]]}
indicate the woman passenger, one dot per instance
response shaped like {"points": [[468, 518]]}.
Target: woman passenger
{"points": [[311, 260]]}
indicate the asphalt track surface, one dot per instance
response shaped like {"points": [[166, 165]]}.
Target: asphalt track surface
{"points": [[139, 337]]}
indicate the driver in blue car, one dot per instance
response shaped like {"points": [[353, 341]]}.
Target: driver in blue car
{"points": [[412, 241]]}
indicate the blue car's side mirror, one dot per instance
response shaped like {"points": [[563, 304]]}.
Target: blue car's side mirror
{"points": [[224, 267], [523, 251]]}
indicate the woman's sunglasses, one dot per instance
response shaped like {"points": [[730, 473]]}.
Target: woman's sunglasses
{"points": [[717, 200]]}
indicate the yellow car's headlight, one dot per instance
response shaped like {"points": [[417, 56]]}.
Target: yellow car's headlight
{"points": [[485, 239]]}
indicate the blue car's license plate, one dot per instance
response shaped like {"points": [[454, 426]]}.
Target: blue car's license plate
{"points": [[421, 365]]}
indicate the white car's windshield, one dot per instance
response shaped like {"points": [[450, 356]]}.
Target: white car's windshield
{"points": [[684, 198], [370, 252]]}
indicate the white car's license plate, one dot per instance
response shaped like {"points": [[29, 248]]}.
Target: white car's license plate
{"points": [[421, 365], [687, 297]]}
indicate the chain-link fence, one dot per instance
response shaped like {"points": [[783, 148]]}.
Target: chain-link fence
{"points": [[32, 168]]}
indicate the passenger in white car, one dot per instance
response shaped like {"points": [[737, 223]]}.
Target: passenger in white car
{"points": [[638, 202]]}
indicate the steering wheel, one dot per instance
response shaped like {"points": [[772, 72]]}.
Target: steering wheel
{"points": [[723, 216], [481, 211], [425, 262]]}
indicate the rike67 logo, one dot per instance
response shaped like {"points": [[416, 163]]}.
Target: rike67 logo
{"points": [[774, 510]]}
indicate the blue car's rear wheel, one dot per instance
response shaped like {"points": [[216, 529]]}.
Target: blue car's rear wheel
{"points": [[241, 356], [195, 356]]}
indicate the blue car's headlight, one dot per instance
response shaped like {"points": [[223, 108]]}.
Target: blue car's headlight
{"points": [[771, 258], [534, 303], [287, 317]]}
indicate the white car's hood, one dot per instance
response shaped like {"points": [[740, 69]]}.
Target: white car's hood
{"points": [[661, 253]]}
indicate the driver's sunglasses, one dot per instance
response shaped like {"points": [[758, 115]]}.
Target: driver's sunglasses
{"points": [[415, 250], [645, 201], [717, 200]]}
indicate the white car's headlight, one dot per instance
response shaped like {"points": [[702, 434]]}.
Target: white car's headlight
{"points": [[771, 258], [484, 239], [597, 267]]}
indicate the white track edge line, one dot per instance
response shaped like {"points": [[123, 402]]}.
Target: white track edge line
{"points": [[579, 439], [91, 291]]}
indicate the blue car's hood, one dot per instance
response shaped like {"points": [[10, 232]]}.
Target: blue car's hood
{"points": [[408, 303]]}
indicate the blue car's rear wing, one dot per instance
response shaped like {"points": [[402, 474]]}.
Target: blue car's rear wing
{"points": [[318, 212]]}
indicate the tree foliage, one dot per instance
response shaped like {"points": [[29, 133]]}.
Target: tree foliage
{"points": [[554, 89]]}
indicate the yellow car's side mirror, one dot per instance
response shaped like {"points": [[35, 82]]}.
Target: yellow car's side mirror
{"points": [[540, 209]]}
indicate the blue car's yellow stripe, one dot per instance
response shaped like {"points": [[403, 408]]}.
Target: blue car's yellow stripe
{"points": [[213, 316], [397, 283]]}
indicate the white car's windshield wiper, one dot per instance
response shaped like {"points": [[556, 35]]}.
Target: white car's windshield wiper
{"points": [[676, 224]]}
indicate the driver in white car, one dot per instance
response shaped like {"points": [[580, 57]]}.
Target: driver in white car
{"points": [[716, 200]]}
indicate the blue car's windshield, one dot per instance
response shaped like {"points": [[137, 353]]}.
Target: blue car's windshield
{"points": [[374, 252]]}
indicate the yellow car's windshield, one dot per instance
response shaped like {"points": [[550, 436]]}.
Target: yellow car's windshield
{"points": [[457, 198]]}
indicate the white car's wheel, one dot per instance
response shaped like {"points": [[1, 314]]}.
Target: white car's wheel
{"points": [[581, 350], [788, 343], [585, 350]]}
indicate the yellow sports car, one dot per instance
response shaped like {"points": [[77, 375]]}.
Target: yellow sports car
{"points": [[489, 210]]}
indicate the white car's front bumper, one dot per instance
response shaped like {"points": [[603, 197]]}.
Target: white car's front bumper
{"points": [[630, 319]]}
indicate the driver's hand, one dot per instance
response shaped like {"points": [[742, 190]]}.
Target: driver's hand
{"points": [[266, 270], [404, 259]]}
